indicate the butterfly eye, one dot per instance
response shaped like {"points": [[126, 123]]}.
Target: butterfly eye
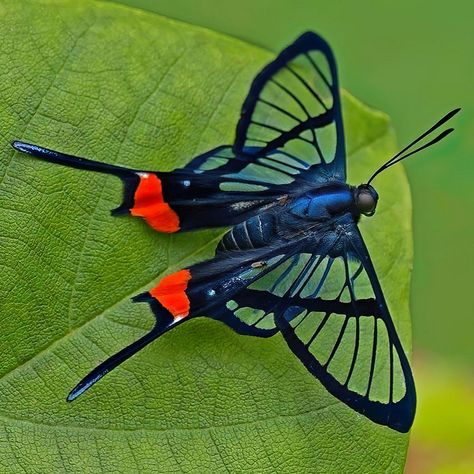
{"points": [[366, 201]]}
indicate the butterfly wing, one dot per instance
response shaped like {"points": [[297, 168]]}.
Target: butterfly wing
{"points": [[334, 317], [208, 288], [292, 114], [215, 288], [325, 298], [319, 288], [290, 133], [289, 138]]}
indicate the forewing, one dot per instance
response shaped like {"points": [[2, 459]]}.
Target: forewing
{"points": [[329, 306], [292, 114], [288, 138]]}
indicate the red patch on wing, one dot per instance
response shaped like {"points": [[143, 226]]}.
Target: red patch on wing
{"points": [[171, 293], [150, 204]]}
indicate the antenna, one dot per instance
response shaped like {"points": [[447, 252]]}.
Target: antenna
{"points": [[401, 156]]}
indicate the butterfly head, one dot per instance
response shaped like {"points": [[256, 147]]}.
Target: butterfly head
{"points": [[366, 197]]}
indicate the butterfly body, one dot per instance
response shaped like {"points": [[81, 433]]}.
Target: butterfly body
{"points": [[294, 261], [289, 219]]}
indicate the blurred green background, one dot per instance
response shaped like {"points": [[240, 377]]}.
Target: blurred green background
{"points": [[413, 60]]}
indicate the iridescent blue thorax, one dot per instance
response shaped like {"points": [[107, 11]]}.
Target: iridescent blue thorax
{"points": [[324, 203]]}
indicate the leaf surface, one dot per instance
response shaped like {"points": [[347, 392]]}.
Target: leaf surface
{"points": [[122, 86]]}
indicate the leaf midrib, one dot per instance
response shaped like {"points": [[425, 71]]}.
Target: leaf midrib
{"points": [[198, 429]]}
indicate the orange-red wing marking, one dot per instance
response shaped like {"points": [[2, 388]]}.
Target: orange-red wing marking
{"points": [[171, 293], [150, 204]]}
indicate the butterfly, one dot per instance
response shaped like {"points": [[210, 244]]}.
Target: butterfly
{"points": [[294, 261]]}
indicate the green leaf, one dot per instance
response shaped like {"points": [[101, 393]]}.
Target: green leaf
{"points": [[122, 86]]}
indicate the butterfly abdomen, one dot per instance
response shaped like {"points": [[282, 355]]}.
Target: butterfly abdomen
{"points": [[253, 233]]}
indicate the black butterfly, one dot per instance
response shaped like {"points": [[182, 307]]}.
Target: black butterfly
{"points": [[294, 260]]}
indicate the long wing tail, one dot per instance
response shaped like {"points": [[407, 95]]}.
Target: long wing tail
{"points": [[71, 161], [114, 361], [142, 190]]}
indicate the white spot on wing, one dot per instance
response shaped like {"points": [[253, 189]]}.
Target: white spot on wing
{"points": [[238, 206]]}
